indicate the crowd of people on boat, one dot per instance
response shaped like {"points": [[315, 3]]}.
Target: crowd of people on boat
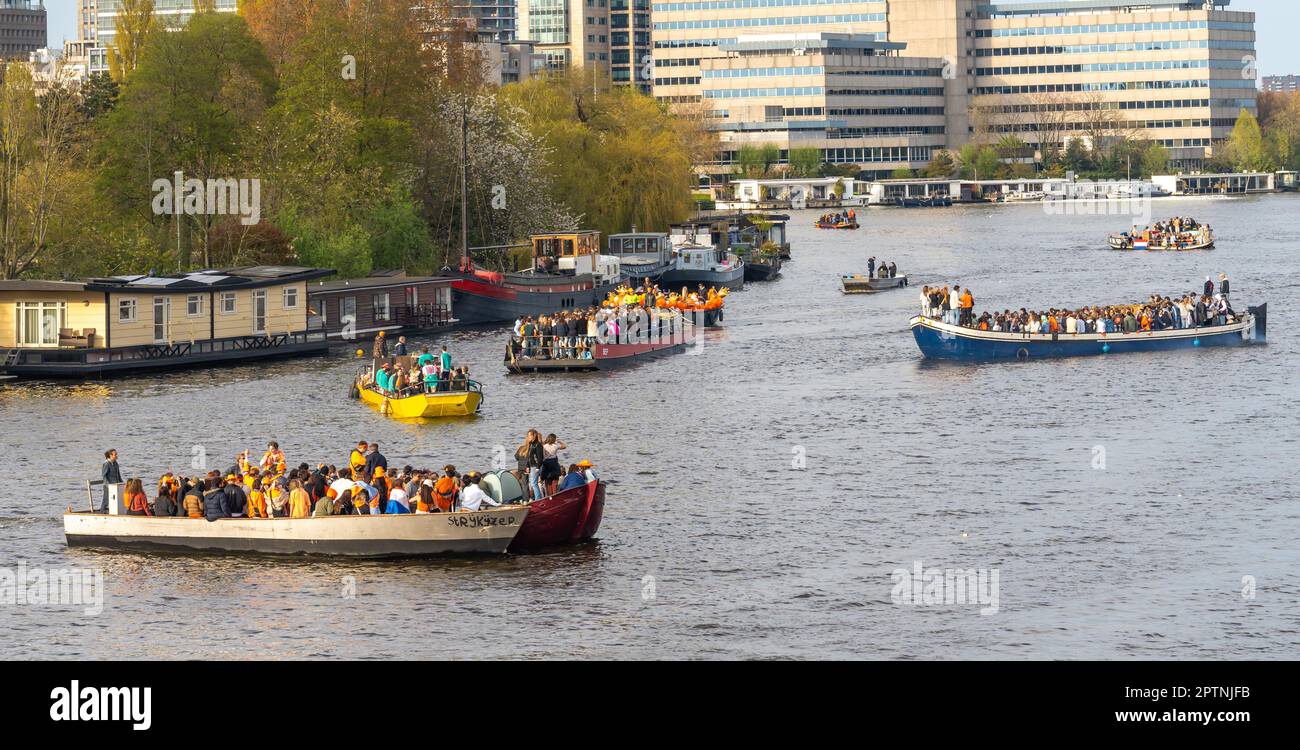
{"points": [[364, 485], [885, 271], [1208, 307], [406, 374], [1172, 233], [643, 311], [838, 218]]}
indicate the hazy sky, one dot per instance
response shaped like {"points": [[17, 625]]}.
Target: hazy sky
{"points": [[1276, 22]]}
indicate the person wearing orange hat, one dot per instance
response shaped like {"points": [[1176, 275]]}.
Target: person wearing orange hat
{"points": [[588, 471]]}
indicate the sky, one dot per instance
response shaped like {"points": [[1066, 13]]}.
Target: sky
{"points": [[1275, 24]]}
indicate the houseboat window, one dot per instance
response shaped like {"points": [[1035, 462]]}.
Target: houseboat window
{"points": [[259, 311], [348, 314], [290, 297], [382, 310], [227, 303], [162, 309], [126, 311], [39, 322], [412, 297], [194, 305], [640, 244]]}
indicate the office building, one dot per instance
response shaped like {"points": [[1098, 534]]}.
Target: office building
{"points": [[22, 28]]}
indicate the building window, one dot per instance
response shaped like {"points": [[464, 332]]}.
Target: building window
{"points": [[126, 311], [39, 322], [382, 310], [227, 303], [290, 297], [194, 305]]}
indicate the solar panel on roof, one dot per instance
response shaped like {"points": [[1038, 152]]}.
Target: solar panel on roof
{"points": [[154, 281], [206, 278]]}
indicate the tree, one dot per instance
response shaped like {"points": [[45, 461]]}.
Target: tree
{"points": [[942, 165], [135, 25], [1077, 158], [750, 161], [1155, 159], [805, 161], [38, 178], [99, 94], [621, 157], [902, 173], [193, 100], [1049, 115], [1246, 145]]}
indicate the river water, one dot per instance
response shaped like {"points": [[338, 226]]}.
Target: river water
{"points": [[763, 491]]}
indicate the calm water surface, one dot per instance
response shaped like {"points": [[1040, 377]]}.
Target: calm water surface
{"points": [[715, 544]]}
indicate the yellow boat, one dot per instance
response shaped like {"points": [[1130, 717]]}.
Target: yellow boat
{"points": [[443, 404]]}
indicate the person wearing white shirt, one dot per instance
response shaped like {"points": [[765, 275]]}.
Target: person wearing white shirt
{"points": [[473, 497], [1071, 325], [588, 472]]}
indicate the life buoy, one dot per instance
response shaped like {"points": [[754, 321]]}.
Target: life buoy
{"points": [[1022, 354]]}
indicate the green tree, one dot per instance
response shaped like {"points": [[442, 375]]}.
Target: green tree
{"points": [[135, 25], [942, 165], [1155, 159], [805, 161], [99, 94], [190, 106], [750, 161], [902, 173], [1246, 145]]}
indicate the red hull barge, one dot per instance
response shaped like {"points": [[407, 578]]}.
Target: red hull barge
{"points": [[569, 517], [603, 357]]}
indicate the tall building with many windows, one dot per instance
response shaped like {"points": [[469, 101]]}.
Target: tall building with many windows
{"points": [[23, 28], [612, 36], [170, 14], [1173, 71]]}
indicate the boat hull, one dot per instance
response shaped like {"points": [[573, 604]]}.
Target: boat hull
{"points": [[475, 301], [731, 278], [765, 271], [569, 517], [860, 284], [409, 535], [820, 225], [938, 340], [604, 357], [459, 404]]}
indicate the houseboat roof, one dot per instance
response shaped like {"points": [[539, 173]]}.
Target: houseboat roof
{"points": [[375, 282], [25, 285], [227, 278]]}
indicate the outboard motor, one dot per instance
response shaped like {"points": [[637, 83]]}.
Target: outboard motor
{"points": [[1260, 314]]}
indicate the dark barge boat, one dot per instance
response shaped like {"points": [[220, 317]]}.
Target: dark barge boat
{"points": [[567, 271], [939, 340], [864, 284]]}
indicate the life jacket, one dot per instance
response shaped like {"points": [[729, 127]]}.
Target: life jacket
{"points": [[444, 493]]}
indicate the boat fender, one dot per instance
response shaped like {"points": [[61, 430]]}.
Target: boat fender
{"points": [[384, 407], [1022, 354]]}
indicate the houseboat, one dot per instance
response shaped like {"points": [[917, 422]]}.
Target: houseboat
{"points": [[116, 324], [723, 229], [567, 270], [391, 302], [641, 255], [694, 265]]}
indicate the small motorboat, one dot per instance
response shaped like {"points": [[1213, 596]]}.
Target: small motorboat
{"points": [[424, 405], [861, 283], [929, 201], [847, 224], [1192, 241]]}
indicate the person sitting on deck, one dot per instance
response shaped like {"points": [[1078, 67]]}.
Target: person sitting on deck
{"points": [[588, 471], [137, 504], [572, 479], [192, 500], [167, 500], [397, 502], [460, 381], [472, 497]]}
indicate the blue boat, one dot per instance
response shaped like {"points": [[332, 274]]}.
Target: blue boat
{"points": [[939, 340]]}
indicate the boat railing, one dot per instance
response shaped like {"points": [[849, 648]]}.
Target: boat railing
{"points": [[429, 389]]}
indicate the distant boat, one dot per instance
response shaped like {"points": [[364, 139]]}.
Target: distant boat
{"points": [[641, 255], [865, 284], [930, 201], [939, 340], [702, 264], [1190, 241], [844, 224]]}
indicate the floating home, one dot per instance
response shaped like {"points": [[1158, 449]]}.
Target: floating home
{"points": [[726, 228], [391, 302], [103, 326]]}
